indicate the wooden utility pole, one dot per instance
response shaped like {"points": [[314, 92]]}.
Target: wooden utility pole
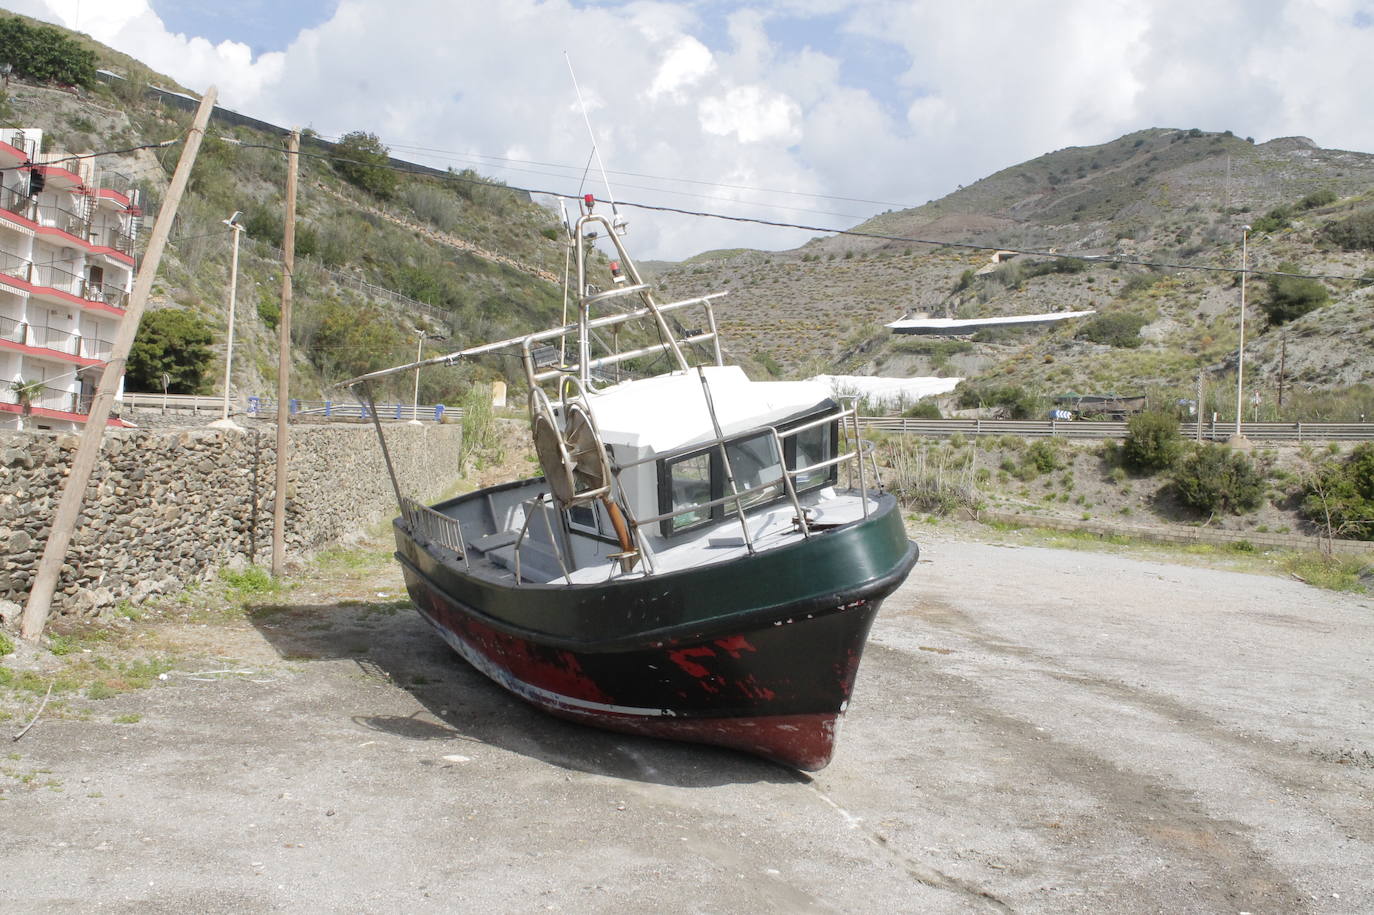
{"points": [[1283, 365], [288, 264], [74, 491]]}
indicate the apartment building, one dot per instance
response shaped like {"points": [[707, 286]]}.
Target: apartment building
{"points": [[66, 273]]}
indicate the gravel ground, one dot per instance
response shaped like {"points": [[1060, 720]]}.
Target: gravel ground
{"points": [[1033, 730]]}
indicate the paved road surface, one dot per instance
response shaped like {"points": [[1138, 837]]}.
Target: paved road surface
{"points": [[1033, 731]]}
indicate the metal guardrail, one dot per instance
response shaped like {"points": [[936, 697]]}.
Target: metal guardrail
{"points": [[1215, 432], [261, 407]]}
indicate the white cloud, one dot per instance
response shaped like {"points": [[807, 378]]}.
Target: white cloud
{"points": [[684, 64], [708, 92], [753, 114]]}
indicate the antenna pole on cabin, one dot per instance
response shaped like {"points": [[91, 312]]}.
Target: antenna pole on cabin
{"points": [[74, 491], [288, 266]]}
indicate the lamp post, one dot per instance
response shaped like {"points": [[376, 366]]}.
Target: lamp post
{"points": [[232, 222], [415, 404], [1240, 355]]}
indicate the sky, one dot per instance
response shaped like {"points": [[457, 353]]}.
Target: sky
{"points": [[813, 112]]}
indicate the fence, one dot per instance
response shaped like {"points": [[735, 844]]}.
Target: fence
{"points": [[1259, 432]]}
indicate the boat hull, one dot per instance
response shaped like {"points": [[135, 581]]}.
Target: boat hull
{"points": [[772, 678]]}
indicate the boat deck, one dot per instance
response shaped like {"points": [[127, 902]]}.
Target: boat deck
{"points": [[492, 522]]}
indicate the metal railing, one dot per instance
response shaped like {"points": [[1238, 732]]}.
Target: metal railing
{"points": [[1219, 431], [73, 223], [428, 526], [52, 276], [49, 398], [59, 341]]}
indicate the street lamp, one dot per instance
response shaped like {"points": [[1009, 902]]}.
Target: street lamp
{"points": [[415, 404], [232, 222], [1240, 356]]}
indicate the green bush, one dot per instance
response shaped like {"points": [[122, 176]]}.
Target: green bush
{"points": [[1354, 233], [1041, 457], [1291, 297], [1280, 217], [1018, 402], [1340, 496], [1214, 479], [41, 52], [1324, 197], [6, 645], [363, 161], [923, 409], [1119, 328], [1152, 442], [172, 341]]}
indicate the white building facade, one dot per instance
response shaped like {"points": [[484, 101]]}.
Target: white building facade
{"points": [[66, 273]]}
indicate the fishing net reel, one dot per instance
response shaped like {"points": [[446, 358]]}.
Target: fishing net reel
{"points": [[571, 454]]}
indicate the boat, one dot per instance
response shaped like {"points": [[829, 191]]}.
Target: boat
{"points": [[704, 554]]}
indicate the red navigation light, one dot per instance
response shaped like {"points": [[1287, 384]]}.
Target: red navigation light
{"points": [[589, 200], [615, 267]]}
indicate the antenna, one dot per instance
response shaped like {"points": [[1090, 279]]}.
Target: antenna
{"points": [[591, 133]]}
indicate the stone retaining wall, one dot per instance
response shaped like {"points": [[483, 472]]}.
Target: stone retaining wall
{"points": [[164, 508]]}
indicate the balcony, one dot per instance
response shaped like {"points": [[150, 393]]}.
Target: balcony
{"points": [[53, 277], [49, 398], [50, 215], [57, 341]]}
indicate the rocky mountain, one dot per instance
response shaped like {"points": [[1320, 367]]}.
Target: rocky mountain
{"points": [[1173, 198]]}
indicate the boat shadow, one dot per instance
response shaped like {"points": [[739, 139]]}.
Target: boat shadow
{"points": [[390, 642]]}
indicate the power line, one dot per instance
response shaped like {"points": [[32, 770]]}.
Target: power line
{"points": [[94, 155], [970, 246]]}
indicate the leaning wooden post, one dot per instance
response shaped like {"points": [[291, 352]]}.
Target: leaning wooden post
{"points": [[74, 490], [288, 264]]}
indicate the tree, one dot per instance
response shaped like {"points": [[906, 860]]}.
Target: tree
{"points": [[1152, 442], [173, 341], [1291, 297], [41, 52], [362, 160]]}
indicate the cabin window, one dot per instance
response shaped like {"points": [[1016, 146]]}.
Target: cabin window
{"points": [[812, 446], [689, 487], [755, 462], [583, 518]]}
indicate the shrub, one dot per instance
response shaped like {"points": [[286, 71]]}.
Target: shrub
{"points": [[923, 409], [1018, 402], [1120, 328], [1324, 197], [1214, 479], [1152, 443], [1354, 233], [1291, 297], [6, 645], [1280, 217], [1340, 495], [41, 52], [171, 341], [1041, 457], [363, 161]]}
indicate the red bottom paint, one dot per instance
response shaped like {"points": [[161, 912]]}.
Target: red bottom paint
{"points": [[801, 741]]}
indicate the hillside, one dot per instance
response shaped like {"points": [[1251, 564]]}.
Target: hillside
{"points": [[478, 258], [1166, 196]]}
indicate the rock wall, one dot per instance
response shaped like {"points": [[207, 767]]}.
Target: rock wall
{"points": [[164, 508]]}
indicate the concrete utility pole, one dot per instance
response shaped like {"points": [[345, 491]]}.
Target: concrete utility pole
{"points": [[74, 492], [232, 222], [415, 404], [288, 263]]}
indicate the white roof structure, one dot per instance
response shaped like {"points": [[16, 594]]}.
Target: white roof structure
{"points": [[952, 326], [669, 411], [888, 391]]}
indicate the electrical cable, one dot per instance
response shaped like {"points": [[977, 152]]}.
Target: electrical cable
{"points": [[969, 246], [93, 155]]}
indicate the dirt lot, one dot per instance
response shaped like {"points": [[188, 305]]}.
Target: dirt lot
{"points": [[1033, 730]]}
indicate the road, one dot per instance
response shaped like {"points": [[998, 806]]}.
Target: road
{"points": [[1033, 731]]}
